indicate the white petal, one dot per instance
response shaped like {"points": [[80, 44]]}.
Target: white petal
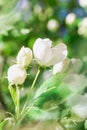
{"points": [[42, 50], [59, 53], [45, 55], [57, 67], [61, 66], [80, 109]]}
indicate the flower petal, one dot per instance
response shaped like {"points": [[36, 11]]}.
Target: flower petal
{"points": [[80, 109], [61, 66], [24, 56], [42, 50], [59, 53]]}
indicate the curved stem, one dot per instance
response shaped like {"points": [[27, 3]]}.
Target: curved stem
{"points": [[35, 79], [30, 91], [17, 107]]}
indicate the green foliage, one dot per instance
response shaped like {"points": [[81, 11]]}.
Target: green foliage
{"points": [[51, 83], [40, 114], [2, 124], [21, 23], [7, 25], [86, 124], [12, 90], [53, 91]]}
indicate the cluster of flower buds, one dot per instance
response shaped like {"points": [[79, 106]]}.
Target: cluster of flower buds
{"points": [[44, 54], [17, 72]]}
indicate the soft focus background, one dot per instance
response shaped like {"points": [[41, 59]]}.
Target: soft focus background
{"points": [[23, 21]]}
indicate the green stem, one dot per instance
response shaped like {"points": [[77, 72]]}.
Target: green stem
{"points": [[60, 124], [17, 107], [33, 84], [30, 91], [23, 115]]}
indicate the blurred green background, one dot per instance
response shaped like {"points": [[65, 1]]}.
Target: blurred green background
{"points": [[23, 21]]}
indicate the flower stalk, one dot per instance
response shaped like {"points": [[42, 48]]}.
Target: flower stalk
{"points": [[30, 91], [17, 107]]}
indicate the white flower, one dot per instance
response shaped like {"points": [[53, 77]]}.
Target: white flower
{"points": [[83, 3], [82, 27], [61, 66], [45, 55], [16, 74], [24, 56], [52, 25], [70, 18], [80, 109]]}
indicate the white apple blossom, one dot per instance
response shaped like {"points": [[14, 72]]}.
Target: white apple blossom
{"points": [[24, 56], [61, 66], [16, 74], [46, 55], [70, 18]]}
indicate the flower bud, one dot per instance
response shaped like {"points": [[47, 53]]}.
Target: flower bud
{"points": [[45, 55], [24, 56], [16, 74], [61, 66], [53, 25]]}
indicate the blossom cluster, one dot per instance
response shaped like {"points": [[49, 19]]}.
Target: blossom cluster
{"points": [[17, 72], [44, 54]]}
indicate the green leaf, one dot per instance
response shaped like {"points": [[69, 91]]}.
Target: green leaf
{"points": [[63, 91], [12, 91], [64, 85], [85, 124], [65, 112], [51, 88], [40, 114], [2, 124], [49, 97], [7, 25], [48, 85]]}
